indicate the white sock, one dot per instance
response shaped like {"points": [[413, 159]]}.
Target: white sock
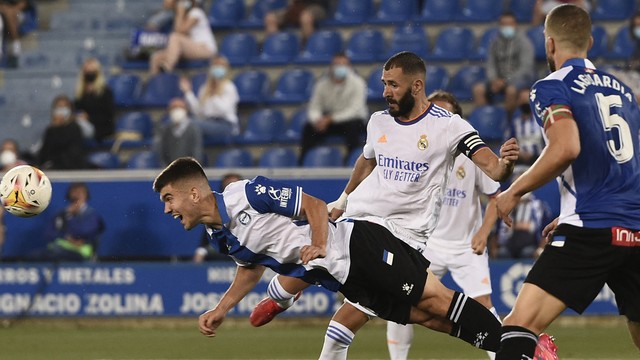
{"points": [[279, 294], [336, 342], [16, 47], [491, 354], [399, 339]]}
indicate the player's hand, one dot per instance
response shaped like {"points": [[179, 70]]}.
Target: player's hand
{"points": [[478, 244], [335, 214], [509, 152], [336, 208], [549, 229], [209, 322], [310, 252], [505, 202]]}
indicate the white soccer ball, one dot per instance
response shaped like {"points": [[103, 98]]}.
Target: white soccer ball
{"points": [[25, 191]]}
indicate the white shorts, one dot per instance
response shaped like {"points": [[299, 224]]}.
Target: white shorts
{"points": [[468, 270]]}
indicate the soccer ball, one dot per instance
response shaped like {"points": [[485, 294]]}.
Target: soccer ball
{"points": [[25, 191]]}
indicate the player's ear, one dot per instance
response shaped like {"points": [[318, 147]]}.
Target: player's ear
{"points": [[417, 86], [194, 194], [550, 46], [590, 43]]}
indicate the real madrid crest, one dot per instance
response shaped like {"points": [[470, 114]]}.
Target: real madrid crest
{"points": [[423, 143], [460, 173]]}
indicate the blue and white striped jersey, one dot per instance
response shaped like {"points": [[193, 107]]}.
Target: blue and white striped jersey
{"points": [[601, 188], [259, 229]]}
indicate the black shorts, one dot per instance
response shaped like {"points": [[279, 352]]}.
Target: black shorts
{"points": [[386, 275], [576, 272]]}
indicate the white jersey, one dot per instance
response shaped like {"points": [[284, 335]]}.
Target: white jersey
{"points": [[414, 160], [201, 31], [461, 214], [255, 232]]}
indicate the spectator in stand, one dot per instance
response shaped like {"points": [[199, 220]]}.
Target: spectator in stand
{"points": [[191, 38], [181, 136], [525, 128], [338, 106], [63, 143], [300, 13], [10, 155], [630, 75], [162, 19], [542, 8], [12, 15], [216, 106], [94, 100], [74, 233], [510, 65]]}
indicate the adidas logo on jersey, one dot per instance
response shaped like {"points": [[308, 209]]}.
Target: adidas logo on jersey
{"points": [[382, 139]]}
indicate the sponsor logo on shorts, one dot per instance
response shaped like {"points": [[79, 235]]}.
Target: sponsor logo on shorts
{"points": [[624, 237]]}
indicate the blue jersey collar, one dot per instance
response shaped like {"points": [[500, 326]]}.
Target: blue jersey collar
{"points": [[586, 63], [222, 208]]}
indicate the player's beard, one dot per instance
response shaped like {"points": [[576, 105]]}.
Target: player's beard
{"points": [[551, 63], [405, 105]]}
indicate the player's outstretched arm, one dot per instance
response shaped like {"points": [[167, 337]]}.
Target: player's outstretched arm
{"points": [[361, 170], [479, 241], [315, 210], [245, 280]]}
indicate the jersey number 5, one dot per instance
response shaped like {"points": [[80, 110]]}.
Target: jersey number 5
{"points": [[623, 152]]}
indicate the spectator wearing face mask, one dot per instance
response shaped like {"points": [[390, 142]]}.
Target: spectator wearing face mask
{"points": [[94, 100], [63, 143], [10, 155], [216, 106], [181, 136], [509, 67], [338, 106]]}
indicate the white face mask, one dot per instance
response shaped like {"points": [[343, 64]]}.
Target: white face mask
{"points": [[178, 115], [8, 157]]}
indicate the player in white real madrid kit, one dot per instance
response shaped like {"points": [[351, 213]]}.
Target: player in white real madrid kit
{"points": [[399, 182], [591, 123], [252, 221]]}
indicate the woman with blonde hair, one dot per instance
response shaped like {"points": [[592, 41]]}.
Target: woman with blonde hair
{"points": [[215, 108], [94, 100]]}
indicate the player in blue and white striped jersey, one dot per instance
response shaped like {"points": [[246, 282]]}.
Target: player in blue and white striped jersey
{"points": [[591, 123]]}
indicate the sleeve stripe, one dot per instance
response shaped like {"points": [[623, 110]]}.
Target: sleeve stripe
{"points": [[554, 113], [298, 206]]}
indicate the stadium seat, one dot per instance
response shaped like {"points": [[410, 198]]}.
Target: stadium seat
{"points": [[374, 85], [613, 10], [134, 129], [522, 9], [263, 126], [464, 79], [536, 35], [293, 132], [255, 19], [239, 48], [365, 46], [599, 47], [437, 78], [146, 159], [159, 90], [293, 86], [278, 158], [351, 12], [234, 158], [278, 49], [482, 50], [125, 89], [197, 81], [409, 37], [226, 14], [323, 156], [253, 86], [353, 157], [623, 45], [452, 44], [394, 11], [480, 11], [490, 121], [68, 21], [104, 160], [34, 60], [438, 11], [321, 46]]}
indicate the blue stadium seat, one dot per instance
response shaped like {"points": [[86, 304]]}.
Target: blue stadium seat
{"points": [[452, 44], [263, 126], [293, 132], [522, 9], [323, 156], [365, 46], [258, 10], [321, 46], [239, 48], [437, 78], [104, 160], [146, 159], [438, 11], [409, 37], [226, 14], [600, 44], [536, 35], [351, 12], [278, 49], [125, 89], [394, 11], [253, 86], [615, 10], [159, 90], [134, 129], [623, 45], [293, 86], [480, 11], [374, 85], [197, 81], [69, 21], [490, 121], [482, 49], [35, 60], [464, 79], [353, 157], [234, 158], [278, 158]]}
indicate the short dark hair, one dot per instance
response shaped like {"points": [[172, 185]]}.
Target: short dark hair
{"points": [[570, 25], [441, 95], [179, 169], [409, 62]]}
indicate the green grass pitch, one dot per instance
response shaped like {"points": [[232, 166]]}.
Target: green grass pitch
{"points": [[140, 338]]}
